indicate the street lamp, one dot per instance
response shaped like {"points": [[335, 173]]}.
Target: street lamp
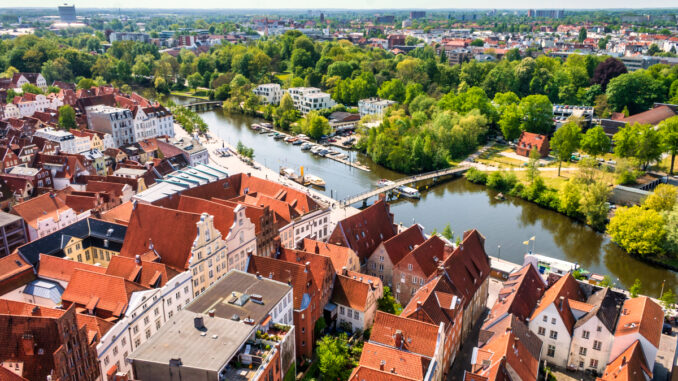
{"points": [[498, 251]]}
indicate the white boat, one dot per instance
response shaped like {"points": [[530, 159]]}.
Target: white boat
{"points": [[306, 146], [322, 151], [384, 183], [315, 180], [408, 192], [546, 265], [288, 172], [315, 149], [342, 156]]}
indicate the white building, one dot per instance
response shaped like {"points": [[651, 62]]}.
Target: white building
{"points": [[641, 320], [68, 142], [307, 99], [270, 93], [314, 225], [20, 79], [11, 111], [46, 214], [28, 104], [147, 312], [374, 106], [112, 120], [151, 122]]}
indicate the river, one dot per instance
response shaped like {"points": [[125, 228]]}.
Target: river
{"points": [[461, 204]]}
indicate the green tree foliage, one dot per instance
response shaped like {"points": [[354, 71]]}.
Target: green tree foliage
{"points": [[595, 142], [447, 232], [636, 90], [393, 90], [593, 204], [334, 357], [67, 117], [582, 34], [668, 299], [537, 114], [662, 199], [668, 130], [639, 141], [636, 289], [314, 125], [388, 303], [638, 230], [565, 141], [245, 151]]}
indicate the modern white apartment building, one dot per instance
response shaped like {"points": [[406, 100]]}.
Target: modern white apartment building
{"points": [[307, 99], [374, 106], [116, 121], [68, 142], [270, 93]]}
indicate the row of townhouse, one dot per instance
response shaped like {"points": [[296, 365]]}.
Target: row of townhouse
{"points": [[29, 103]]}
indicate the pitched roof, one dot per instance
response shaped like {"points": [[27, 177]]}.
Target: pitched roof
{"points": [[224, 215], [643, 316], [291, 273], [629, 365], [97, 291], [417, 336], [605, 304], [653, 116], [121, 214], [41, 207], [529, 139], [145, 273], [468, 266], [435, 302], [364, 373], [339, 255], [364, 231], [14, 272], [96, 326], [395, 361], [564, 289], [8, 375], [350, 292], [518, 295], [172, 241], [62, 269], [398, 246], [424, 258]]}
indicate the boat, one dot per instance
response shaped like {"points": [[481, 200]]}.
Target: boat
{"points": [[342, 156], [263, 130], [278, 136], [500, 196], [297, 142], [290, 139], [315, 181], [408, 191], [322, 151], [306, 146], [255, 126], [546, 265], [272, 134], [332, 151], [288, 172], [384, 183]]}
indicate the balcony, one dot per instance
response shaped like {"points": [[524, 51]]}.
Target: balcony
{"points": [[255, 355]]}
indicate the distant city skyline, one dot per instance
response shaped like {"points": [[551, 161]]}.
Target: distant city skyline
{"points": [[384, 5]]}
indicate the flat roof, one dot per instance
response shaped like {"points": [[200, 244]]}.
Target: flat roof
{"points": [[221, 298], [6, 218], [179, 339]]}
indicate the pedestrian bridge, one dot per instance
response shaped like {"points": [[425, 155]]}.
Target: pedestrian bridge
{"points": [[404, 181], [203, 106]]}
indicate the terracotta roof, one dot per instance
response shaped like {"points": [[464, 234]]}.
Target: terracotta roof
{"points": [[319, 267], [224, 216], [394, 361], [468, 266], [564, 289], [39, 208], [172, 241], [62, 269], [350, 292], [364, 373], [100, 291], [628, 366], [435, 303], [418, 337], [293, 274], [605, 304], [424, 258], [398, 246], [12, 265], [339, 255], [11, 307], [581, 306], [643, 316], [96, 326], [121, 214], [364, 231], [148, 274], [8, 375], [653, 116], [519, 295], [530, 139]]}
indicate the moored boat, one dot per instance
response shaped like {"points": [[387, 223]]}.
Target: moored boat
{"points": [[408, 191], [306, 146], [288, 172], [384, 183], [315, 181]]}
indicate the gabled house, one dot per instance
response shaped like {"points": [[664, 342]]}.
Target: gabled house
{"points": [[45, 214], [629, 365], [356, 301], [389, 252], [529, 141], [341, 257], [518, 296], [641, 320], [417, 267]]}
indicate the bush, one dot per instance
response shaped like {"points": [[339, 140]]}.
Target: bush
{"points": [[476, 176], [501, 181]]}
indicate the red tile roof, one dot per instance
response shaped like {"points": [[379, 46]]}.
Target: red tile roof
{"points": [[100, 291], [653, 116], [394, 361], [468, 266], [434, 303], [96, 326], [519, 295], [12, 267], [628, 366], [424, 258], [350, 292], [148, 274], [172, 241], [224, 215], [339, 255], [120, 214], [398, 246], [39, 208], [8, 375], [643, 316], [506, 354], [564, 289], [364, 373], [418, 337], [293, 274], [364, 231], [10, 307], [62, 269]]}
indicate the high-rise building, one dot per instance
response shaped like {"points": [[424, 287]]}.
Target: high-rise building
{"points": [[67, 13]]}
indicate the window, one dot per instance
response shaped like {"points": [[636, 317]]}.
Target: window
{"points": [[106, 360], [585, 335], [553, 335], [597, 345], [582, 351], [137, 342], [599, 329], [135, 329], [123, 341], [146, 320], [341, 310], [551, 352], [170, 313], [409, 266], [593, 363], [148, 333], [545, 319], [115, 350], [542, 331], [156, 311]]}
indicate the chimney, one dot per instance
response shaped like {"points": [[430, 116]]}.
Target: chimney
{"points": [[317, 248], [344, 271], [418, 305], [198, 323], [623, 362], [137, 259], [560, 306], [382, 364], [211, 312], [399, 339]]}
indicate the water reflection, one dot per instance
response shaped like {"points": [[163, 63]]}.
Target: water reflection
{"points": [[461, 204]]}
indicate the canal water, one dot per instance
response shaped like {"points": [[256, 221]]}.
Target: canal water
{"points": [[463, 205]]}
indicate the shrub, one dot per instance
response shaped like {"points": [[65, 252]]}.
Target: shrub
{"points": [[476, 176]]}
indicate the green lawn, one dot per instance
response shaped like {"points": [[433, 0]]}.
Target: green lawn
{"points": [[190, 93]]}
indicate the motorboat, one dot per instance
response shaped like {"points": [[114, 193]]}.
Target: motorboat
{"points": [[408, 192], [278, 136], [255, 126], [306, 146], [288, 172], [384, 183], [290, 139], [332, 151], [315, 181], [297, 142], [322, 151], [342, 156]]}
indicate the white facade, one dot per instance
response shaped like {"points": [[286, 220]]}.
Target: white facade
{"points": [[240, 240], [40, 82], [112, 120], [270, 93], [146, 313], [374, 106], [623, 342], [40, 103], [314, 225], [307, 99], [151, 122], [55, 221], [11, 111], [68, 142], [551, 329], [591, 345]]}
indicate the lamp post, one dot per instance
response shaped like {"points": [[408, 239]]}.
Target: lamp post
{"points": [[498, 251]]}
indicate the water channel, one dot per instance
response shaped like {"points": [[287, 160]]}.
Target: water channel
{"points": [[461, 204]]}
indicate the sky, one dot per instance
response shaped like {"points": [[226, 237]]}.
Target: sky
{"points": [[356, 4]]}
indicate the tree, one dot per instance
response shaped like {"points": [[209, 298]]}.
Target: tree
{"points": [[565, 141], [31, 88], [537, 114], [637, 90], [653, 50], [663, 199], [388, 303], [640, 141], [67, 117], [333, 357], [195, 80], [582, 34], [606, 70], [638, 230], [86, 83], [636, 289], [315, 125], [671, 242], [668, 130], [447, 232], [593, 204], [595, 142], [668, 299], [393, 90], [569, 196]]}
